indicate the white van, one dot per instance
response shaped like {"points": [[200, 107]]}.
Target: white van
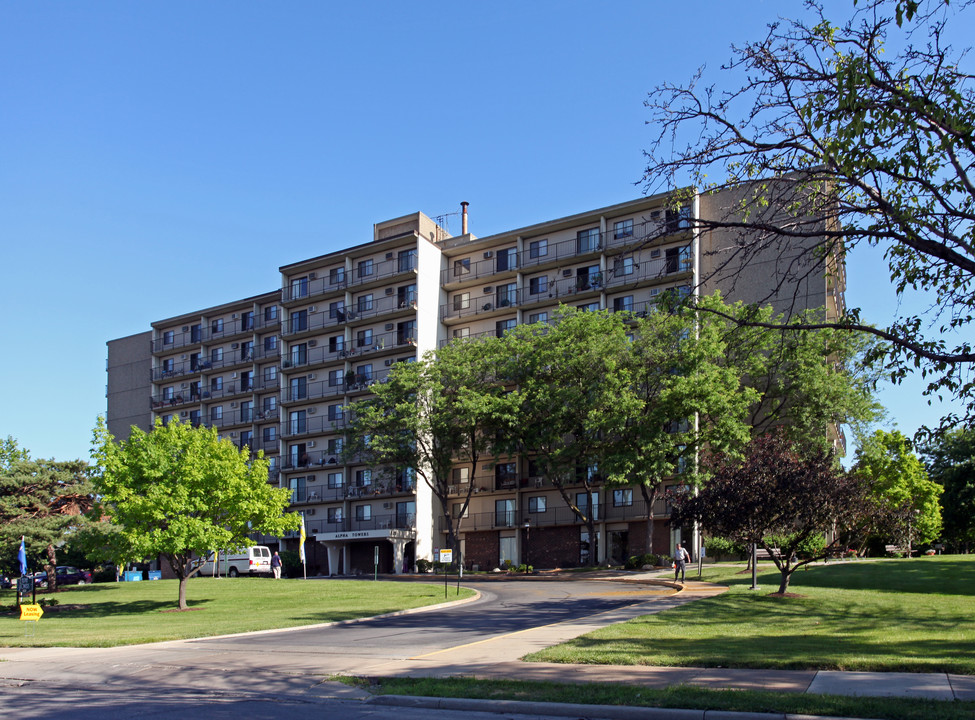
{"points": [[254, 560]]}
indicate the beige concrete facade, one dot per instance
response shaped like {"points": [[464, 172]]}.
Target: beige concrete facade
{"points": [[278, 371]]}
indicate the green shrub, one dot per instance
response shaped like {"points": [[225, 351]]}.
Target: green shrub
{"points": [[636, 562], [290, 563], [423, 565]]}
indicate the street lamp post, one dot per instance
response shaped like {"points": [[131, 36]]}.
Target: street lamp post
{"points": [[528, 537]]}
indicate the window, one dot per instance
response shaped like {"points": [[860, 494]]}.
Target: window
{"points": [[506, 475], [406, 295], [216, 326], [195, 418], [582, 502], [299, 320], [270, 373], [334, 515], [406, 514], [363, 478], [336, 343], [336, 377], [538, 248], [216, 413], [335, 480], [585, 547], [507, 294], [541, 317], [297, 421], [336, 412], [623, 498], [297, 485], [166, 419], [363, 512], [195, 388], [299, 287], [336, 310], [623, 304], [457, 510], [588, 278], [538, 285], [246, 381], [406, 260], [270, 434], [270, 313], [297, 454], [462, 267], [623, 266], [216, 384], [679, 219], [335, 446], [363, 373], [462, 301], [406, 332], [504, 513], [247, 320], [589, 307], [246, 439], [196, 333], [168, 365], [168, 337], [507, 259], [168, 393], [270, 343], [623, 229], [196, 360], [299, 353], [503, 326], [270, 404], [364, 302], [462, 332], [247, 350], [298, 390], [216, 355], [587, 241], [536, 504], [459, 476], [365, 268], [336, 276], [363, 338]]}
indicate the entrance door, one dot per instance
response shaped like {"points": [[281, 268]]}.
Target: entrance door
{"points": [[508, 550], [618, 546]]}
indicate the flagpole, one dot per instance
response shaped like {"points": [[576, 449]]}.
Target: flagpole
{"points": [[301, 549]]}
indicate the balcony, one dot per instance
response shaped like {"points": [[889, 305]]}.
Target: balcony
{"points": [[383, 272], [397, 521]]}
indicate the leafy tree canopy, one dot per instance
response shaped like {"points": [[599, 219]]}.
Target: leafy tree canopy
{"points": [[182, 492], [950, 462], [859, 132]]}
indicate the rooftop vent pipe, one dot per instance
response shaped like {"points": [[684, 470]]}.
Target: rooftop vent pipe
{"points": [[463, 218]]}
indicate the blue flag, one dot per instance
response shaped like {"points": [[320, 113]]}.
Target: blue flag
{"points": [[22, 557]]}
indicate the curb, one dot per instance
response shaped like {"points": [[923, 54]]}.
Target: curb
{"points": [[589, 712]]}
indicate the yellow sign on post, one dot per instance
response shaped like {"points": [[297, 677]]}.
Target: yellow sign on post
{"points": [[31, 612]]}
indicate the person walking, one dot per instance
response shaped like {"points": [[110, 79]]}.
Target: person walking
{"points": [[276, 565], [681, 558]]}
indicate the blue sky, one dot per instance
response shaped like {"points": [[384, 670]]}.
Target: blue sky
{"points": [[157, 158]]}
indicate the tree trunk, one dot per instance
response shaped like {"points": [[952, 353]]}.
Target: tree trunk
{"points": [[784, 582], [52, 569], [649, 498], [182, 592]]}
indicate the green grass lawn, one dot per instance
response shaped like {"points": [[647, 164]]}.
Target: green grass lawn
{"points": [[129, 613], [914, 615]]}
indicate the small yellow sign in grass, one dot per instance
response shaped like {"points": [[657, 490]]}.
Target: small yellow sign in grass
{"points": [[31, 612]]}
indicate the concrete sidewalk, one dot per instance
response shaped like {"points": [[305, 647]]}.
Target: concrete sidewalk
{"points": [[210, 665]]}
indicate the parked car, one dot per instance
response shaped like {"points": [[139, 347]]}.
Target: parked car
{"points": [[66, 575], [5, 582]]}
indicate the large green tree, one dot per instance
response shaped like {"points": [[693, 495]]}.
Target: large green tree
{"points": [[44, 502], [182, 492], [857, 132], [432, 416], [896, 477], [950, 462], [688, 392], [575, 392]]}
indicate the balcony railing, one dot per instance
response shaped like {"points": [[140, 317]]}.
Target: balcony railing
{"points": [[384, 270], [356, 348], [358, 312], [399, 521]]}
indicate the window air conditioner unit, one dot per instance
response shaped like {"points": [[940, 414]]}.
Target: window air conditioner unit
{"points": [[182, 385], [233, 404], [182, 357], [388, 363], [233, 434], [234, 346], [488, 254], [488, 290], [312, 276], [389, 256], [566, 273], [311, 443], [233, 375], [310, 512], [186, 328], [312, 376], [389, 326], [185, 413], [387, 505], [312, 343], [312, 410], [234, 316], [389, 291]]}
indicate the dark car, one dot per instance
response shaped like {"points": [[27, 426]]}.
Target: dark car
{"points": [[5, 582], [66, 575]]}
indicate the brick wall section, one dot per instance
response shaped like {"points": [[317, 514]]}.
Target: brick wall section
{"points": [[552, 547], [482, 549], [638, 537]]}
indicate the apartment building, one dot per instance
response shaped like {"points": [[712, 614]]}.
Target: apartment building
{"points": [[278, 372]]}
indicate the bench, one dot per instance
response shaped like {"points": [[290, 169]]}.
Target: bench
{"points": [[897, 550], [763, 554]]}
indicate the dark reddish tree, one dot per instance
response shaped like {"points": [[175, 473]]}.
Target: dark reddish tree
{"points": [[780, 498]]}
